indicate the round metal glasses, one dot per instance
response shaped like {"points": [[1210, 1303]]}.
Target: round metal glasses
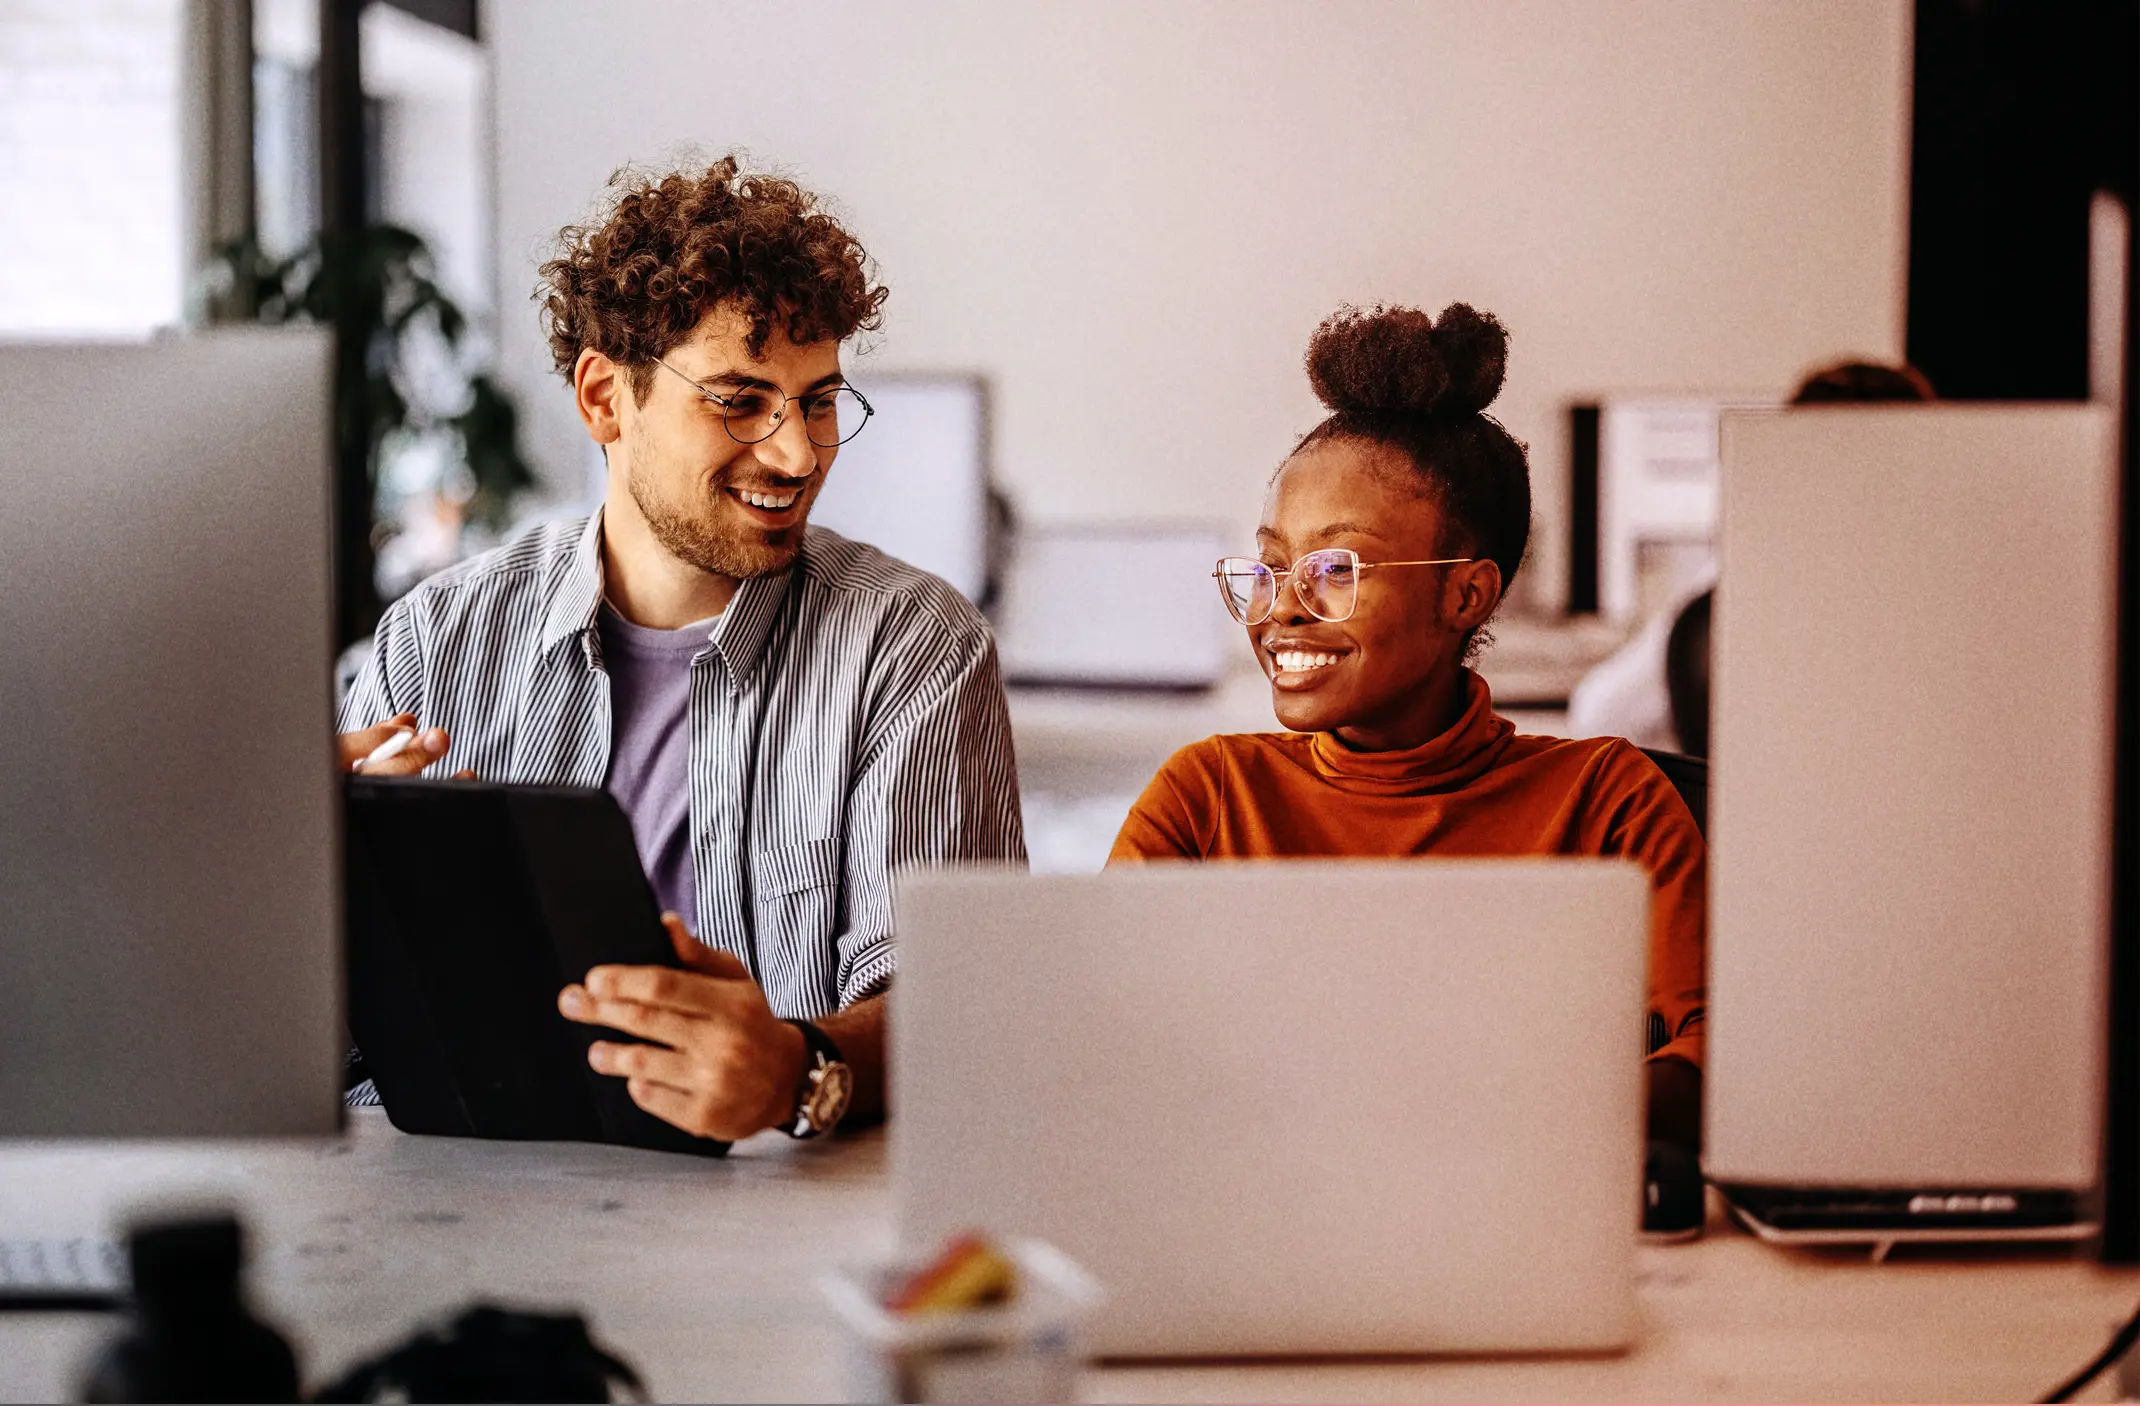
{"points": [[1327, 582], [753, 411]]}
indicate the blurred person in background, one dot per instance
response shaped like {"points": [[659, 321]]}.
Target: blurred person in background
{"points": [[784, 715], [1654, 691], [1389, 537]]}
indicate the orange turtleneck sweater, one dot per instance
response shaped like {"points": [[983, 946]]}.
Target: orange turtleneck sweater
{"points": [[1478, 789]]}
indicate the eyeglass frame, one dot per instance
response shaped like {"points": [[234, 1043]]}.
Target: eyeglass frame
{"points": [[780, 415], [1278, 588]]}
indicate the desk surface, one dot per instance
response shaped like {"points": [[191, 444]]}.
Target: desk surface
{"points": [[702, 1275]]}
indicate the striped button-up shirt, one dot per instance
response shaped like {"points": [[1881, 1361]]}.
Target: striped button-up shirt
{"points": [[847, 719]]}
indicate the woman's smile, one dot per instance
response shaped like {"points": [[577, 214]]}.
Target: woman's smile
{"points": [[1296, 663]]}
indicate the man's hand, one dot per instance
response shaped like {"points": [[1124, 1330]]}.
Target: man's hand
{"points": [[425, 746], [723, 1065]]}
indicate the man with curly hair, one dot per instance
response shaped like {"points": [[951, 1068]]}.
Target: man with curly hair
{"points": [[784, 714]]}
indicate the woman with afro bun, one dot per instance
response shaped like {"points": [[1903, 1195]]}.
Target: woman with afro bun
{"points": [[1389, 537]]}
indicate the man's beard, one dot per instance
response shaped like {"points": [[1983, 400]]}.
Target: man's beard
{"points": [[686, 529]]}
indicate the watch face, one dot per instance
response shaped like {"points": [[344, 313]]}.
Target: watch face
{"points": [[828, 1101]]}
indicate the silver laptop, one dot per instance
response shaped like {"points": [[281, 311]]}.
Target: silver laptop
{"points": [[170, 934], [1292, 1107], [1910, 830]]}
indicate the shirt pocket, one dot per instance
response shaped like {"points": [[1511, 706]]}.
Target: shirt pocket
{"points": [[798, 924], [793, 869]]}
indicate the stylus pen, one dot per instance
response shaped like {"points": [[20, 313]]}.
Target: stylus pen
{"points": [[386, 751]]}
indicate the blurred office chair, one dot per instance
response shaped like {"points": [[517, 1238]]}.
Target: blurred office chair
{"points": [[1686, 673], [1690, 777]]}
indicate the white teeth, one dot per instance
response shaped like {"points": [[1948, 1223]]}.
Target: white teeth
{"points": [[775, 501], [1295, 661]]}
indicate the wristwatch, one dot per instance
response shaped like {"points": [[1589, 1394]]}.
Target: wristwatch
{"points": [[827, 1085]]}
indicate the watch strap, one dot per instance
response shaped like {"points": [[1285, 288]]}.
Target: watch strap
{"points": [[820, 1046], [820, 1051]]}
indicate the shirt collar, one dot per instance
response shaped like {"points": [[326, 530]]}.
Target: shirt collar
{"points": [[740, 638], [1470, 748], [748, 622], [579, 596]]}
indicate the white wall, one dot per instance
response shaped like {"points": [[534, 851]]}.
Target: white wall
{"points": [[1131, 215], [436, 145]]}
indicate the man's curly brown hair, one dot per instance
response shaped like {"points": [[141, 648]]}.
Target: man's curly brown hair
{"points": [[672, 248]]}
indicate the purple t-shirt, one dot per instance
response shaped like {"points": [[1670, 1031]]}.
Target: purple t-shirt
{"points": [[650, 747]]}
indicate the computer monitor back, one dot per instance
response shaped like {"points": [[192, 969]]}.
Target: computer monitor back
{"points": [[1287, 1107], [1910, 796], [170, 943]]}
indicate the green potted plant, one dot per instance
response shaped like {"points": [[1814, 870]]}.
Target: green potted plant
{"points": [[409, 379]]}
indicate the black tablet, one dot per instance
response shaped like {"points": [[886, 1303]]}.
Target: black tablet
{"points": [[470, 907]]}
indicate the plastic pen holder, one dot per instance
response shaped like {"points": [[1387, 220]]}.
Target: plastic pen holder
{"points": [[1029, 1349]]}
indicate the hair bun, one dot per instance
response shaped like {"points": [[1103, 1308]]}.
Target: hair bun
{"points": [[1400, 361]]}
